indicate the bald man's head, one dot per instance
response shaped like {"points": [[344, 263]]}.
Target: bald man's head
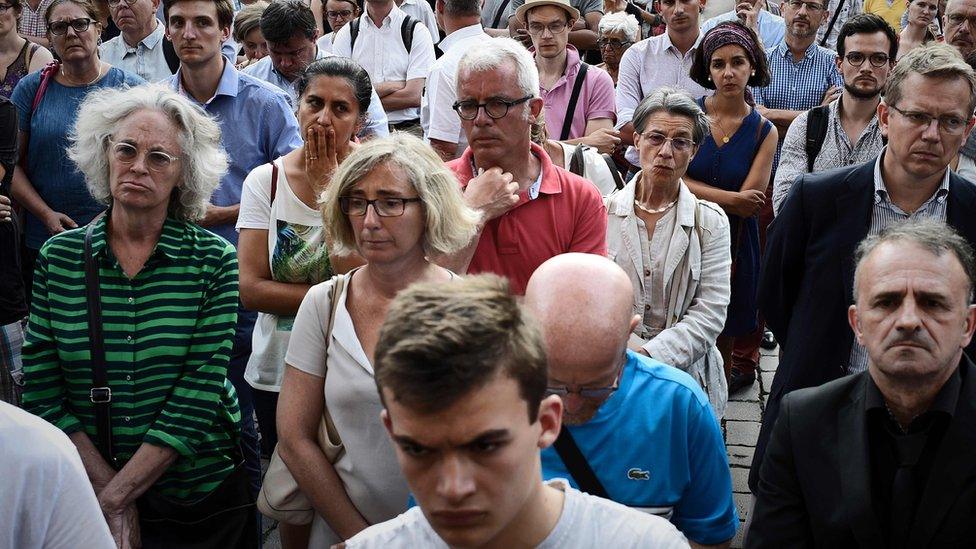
{"points": [[584, 305]]}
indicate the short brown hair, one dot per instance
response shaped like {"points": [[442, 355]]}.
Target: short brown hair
{"points": [[90, 8], [225, 12], [442, 341]]}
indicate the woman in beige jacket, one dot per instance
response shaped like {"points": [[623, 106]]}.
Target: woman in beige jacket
{"points": [[674, 247]]}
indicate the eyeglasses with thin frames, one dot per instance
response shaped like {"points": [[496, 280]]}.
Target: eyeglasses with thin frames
{"points": [[556, 27], [856, 59], [615, 45], [4, 8], [157, 161], [115, 3], [948, 124], [494, 108], [59, 28], [591, 393], [384, 207], [680, 144], [812, 7]]}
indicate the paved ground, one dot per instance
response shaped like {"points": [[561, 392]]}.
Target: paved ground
{"points": [[741, 428]]}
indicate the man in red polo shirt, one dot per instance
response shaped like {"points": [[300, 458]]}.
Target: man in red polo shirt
{"points": [[532, 209]]}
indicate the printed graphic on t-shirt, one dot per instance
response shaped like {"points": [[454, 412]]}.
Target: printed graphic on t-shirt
{"points": [[299, 257]]}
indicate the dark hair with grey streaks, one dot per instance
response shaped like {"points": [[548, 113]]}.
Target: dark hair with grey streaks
{"points": [[676, 102]]}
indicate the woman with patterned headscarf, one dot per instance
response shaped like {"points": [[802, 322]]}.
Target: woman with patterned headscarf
{"points": [[733, 164]]}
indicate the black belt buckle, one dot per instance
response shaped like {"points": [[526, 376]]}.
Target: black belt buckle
{"points": [[100, 395]]}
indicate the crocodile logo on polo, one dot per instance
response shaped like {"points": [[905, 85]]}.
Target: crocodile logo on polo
{"points": [[637, 474]]}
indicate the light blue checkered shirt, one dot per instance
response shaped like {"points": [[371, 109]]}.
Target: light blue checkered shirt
{"points": [[798, 86]]}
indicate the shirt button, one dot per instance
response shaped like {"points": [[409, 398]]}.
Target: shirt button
{"points": [[128, 338], [128, 378], [127, 418], [647, 272], [647, 307], [131, 300]]}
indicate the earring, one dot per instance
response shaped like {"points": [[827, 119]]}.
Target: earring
{"points": [[709, 78], [754, 73]]}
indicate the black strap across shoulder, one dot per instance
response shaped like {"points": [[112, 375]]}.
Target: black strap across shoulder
{"points": [[274, 182], [833, 21], [498, 14], [816, 132], [577, 465], [100, 394], [576, 163], [406, 32], [573, 99]]}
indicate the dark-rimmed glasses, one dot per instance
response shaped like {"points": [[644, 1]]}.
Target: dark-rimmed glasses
{"points": [[338, 14], [494, 108], [157, 161], [59, 28], [590, 393], [4, 8], [948, 124], [615, 45], [681, 144], [384, 207], [856, 59]]}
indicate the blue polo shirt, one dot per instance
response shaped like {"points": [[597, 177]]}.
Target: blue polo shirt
{"points": [[655, 444], [256, 127]]}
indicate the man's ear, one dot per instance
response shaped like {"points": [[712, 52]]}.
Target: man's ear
{"points": [[883, 112], [551, 419], [387, 422], [855, 324]]}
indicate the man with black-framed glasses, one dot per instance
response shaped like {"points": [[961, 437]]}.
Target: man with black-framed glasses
{"points": [[531, 209], [846, 131], [644, 429]]}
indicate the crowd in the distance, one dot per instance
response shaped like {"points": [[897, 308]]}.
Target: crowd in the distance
{"points": [[481, 273]]}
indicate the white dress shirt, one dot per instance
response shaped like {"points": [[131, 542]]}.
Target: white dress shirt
{"points": [[381, 52], [421, 10], [437, 115]]}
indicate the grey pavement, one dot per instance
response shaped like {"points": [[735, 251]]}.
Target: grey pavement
{"points": [[741, 429]]}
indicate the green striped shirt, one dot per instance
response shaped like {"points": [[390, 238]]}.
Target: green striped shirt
{"points": [[168, 335]]}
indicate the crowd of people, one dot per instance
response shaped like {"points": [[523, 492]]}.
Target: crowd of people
{"points": [[480, 273]]}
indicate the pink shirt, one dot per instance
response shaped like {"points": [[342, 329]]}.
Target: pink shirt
{"points": [[567, 216], [596, 99]]}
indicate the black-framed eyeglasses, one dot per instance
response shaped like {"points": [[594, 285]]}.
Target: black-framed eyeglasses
{"points": [[494, 108], [590, 393], [811, 6], [555, 28], [58, 28], [157, 161], [384, 207], [856, 59], [4, 8], [681, 144], [615, 45], [948, 124], [338, 14], [114, 3]]}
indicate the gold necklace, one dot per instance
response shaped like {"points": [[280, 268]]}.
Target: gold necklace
{"points": [[725, 134], [73, 83]]}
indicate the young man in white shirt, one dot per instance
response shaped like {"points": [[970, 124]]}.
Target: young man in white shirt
{"points": [[398, 72], [468, 422]]}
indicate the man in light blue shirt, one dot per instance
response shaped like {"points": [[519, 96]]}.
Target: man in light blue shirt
{"points": [[140, 47], [645, 429], [770, 28], [289, 28]]}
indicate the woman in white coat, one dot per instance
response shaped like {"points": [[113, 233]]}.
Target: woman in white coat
{"points": [[674, 247]]}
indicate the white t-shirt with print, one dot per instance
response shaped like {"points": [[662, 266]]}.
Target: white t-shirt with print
{"points": [[586, 522], [295, 254]]}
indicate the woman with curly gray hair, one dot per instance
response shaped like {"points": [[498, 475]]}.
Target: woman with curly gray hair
{"points": [[130, 333]]}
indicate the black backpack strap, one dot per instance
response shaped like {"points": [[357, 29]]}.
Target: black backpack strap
{"points": [[406, 31], [353, 33], [617, 179], [573, 99], [100, 393], [577, 465], [169, 52], [830, 26], [816, 131], [498, 14], [576, 164]]}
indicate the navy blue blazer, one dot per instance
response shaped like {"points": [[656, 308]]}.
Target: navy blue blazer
{"points": [[807, 277]]}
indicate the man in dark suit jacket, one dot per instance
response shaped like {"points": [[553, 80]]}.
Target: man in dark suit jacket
{"points": [[887, 457], [808, 267]]}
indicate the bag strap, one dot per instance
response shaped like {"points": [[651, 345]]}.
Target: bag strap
{"points": [[169, 53], [830, 26], [339, 282], [100, 393], [577, 465], [47, 74], [274, 181], [576, 162], [816, 131], [406, 31], [353, 33], [573, 99], [614, 171], [498, 14]]}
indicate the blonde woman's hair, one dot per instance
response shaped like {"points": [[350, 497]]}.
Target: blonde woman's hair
{"points": [[450, 223]]}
